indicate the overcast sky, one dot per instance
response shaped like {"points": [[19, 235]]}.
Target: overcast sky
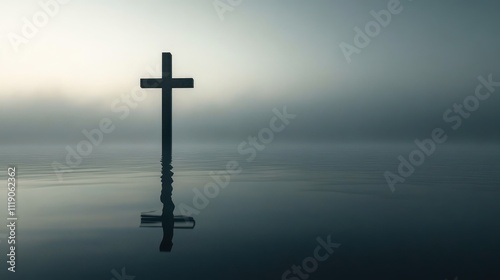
{"points": [[261, 55]]}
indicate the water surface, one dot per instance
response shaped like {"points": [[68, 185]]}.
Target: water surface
{"points": [[441, 223]]}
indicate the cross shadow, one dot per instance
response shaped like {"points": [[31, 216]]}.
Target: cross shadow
{"points": [[166, 220]]}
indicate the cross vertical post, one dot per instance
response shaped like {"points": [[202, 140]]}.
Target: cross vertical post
{"points": [[166, 103]]}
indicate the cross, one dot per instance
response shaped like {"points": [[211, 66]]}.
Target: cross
{"points": [[166, 83]]}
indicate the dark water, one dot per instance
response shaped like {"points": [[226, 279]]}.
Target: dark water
{"points": [[441, 223]]}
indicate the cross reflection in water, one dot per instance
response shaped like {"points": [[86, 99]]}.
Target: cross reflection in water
{"points": [[166, 220]]}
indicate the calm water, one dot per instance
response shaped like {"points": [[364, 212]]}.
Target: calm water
{"points": [[441, 223]]}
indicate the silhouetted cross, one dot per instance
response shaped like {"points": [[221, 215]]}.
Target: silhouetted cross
{"points": [[166, 83]]}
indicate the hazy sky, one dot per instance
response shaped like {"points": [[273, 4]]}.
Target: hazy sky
{"points": [[263, 54]]}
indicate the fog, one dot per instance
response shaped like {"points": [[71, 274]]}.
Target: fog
{"points": [[259, 57]]}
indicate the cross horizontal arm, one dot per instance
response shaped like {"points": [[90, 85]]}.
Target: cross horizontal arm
{"points": [[183, 83], [151, 83], [176, 83]]}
